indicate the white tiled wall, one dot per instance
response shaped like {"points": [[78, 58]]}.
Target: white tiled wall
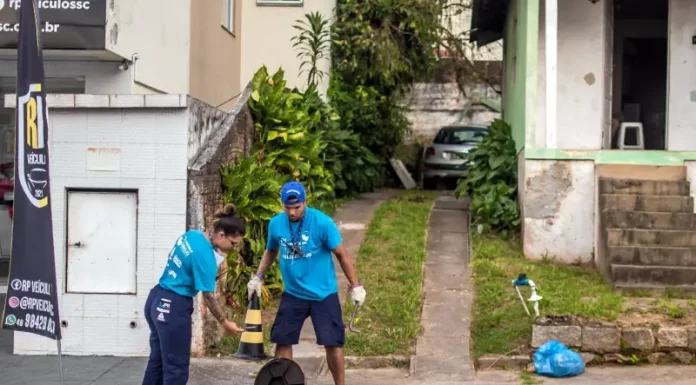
{"points": [[153, 145]]}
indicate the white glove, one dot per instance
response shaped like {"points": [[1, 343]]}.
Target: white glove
{"points": [[357, 295], [254, 286]]}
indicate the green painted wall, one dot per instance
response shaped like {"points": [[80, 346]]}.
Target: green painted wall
{"points": [[520, 80]]}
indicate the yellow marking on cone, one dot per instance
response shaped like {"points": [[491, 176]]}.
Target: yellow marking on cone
{"points": [[253, 317], [252, 337]]}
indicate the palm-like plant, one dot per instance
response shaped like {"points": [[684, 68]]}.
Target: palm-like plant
{"points": [[312, 43]]}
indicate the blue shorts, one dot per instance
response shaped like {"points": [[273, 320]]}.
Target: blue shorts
{"points": [[326, 315]]}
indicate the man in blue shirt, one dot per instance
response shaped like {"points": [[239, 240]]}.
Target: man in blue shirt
{"points": [[305, 238]]}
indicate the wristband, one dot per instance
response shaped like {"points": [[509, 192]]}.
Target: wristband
{"points": [[356, 285], [260, 276]]}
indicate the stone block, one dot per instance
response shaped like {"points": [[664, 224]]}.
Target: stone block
{"points": [[638, 338], [672, 338], [589, 358], [570, 336], [601, 339], [682, 357], [657, 358], [691, 334]]}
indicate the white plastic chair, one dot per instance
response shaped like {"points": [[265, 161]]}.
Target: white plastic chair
{"points": [[632, 126]]}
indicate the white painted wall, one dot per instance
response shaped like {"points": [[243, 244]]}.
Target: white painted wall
{"points": [[681, 120], [266, 34], [580, 74], [559, 224], [153, 144], [159, 32]]}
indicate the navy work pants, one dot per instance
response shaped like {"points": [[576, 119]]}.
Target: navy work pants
{"points": [[169, 316]]}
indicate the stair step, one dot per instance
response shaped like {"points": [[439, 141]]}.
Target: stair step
{"points": [[643, 187], [661, 275], [656, 256], [650, 203], [649, 220], [653, 289], [638, 237]]}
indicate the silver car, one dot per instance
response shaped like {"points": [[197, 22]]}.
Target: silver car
{"points": [[444, 159]]}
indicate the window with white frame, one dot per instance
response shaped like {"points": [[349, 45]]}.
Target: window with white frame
{"points": [[294, 3], [228, 15]]}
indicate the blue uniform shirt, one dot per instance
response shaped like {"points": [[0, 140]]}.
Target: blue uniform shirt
{"points": [[309, 274], [192, 265]]}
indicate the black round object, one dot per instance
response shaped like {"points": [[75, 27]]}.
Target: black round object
{"points": [[280, 371]]}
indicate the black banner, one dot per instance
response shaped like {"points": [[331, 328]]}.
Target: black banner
{"points": [[65, 24], [32, 300]]}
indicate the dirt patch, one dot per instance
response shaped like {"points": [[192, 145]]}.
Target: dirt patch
{"points": [[658, 311]]}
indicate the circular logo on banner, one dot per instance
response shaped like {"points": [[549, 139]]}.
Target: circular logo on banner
{"points": [[16, 284], [14, 302], [10, 320]]}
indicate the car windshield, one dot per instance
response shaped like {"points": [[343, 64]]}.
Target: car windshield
{"points": [[459, 135]]}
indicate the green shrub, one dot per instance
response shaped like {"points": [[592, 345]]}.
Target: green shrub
{"points": [[253, 188], [491, 179], [283, 126]]}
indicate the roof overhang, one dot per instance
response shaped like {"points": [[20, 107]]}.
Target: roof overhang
{"points": [[488, 21]]}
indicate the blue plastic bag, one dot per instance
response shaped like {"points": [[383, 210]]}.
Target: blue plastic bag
{"points": [[553, 359]]}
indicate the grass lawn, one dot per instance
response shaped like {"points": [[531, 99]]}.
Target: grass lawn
{"points": [[500, 323], [390, 265]]}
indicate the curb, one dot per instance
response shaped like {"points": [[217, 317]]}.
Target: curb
{"points": [[496, 361], [316, 366]]}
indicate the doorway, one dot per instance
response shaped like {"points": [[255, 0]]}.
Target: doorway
{"points": [[640, 70]]}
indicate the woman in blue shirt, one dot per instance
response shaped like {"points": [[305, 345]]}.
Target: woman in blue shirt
{"points": [[192, 267]]}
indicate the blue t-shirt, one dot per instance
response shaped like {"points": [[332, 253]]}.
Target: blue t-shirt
{"points": [[308, 272], [192, 265]]}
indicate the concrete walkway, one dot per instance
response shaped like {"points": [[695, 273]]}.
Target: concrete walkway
{"points": [[352, 219], [442, 349]]}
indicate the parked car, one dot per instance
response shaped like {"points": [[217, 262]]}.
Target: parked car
{"points": [[444, 159]]}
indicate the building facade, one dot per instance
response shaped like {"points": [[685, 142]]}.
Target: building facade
{"points": [[144, 109], [575, 72]]}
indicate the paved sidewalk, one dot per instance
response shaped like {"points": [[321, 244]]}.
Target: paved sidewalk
{"points": [[442, 349]]}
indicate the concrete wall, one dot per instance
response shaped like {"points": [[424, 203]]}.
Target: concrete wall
{"points": [[215, 139], [159, 32], [581, 74], [215, 54], [430, 106], [267, 31], [558, 206], [153, 146], [681, 123]]}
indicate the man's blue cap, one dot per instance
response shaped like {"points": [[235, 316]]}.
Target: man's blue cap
{"points": [[292, 192]]}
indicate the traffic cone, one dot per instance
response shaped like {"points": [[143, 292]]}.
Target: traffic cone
{"points": [[280, 371], [251, 344]]}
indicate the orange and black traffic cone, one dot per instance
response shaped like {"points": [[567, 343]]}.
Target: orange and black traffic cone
{"points": [[251, 345]]}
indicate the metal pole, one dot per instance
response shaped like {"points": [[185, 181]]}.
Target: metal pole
{"points": [[60, 361]]}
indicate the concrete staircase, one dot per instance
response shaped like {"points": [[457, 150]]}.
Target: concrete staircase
{"points": [[649, 231]]}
